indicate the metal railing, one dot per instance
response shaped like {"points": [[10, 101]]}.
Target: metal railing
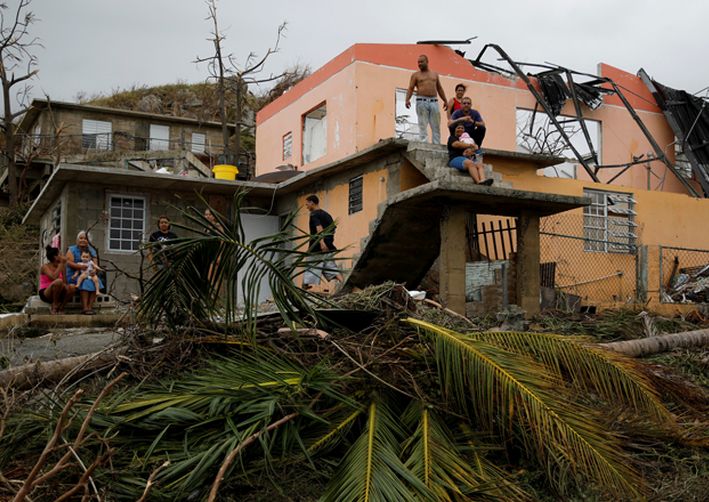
{"points": [[684, 275], [70, 144]]}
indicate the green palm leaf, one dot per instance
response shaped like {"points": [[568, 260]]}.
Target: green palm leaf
{"points": [[500, 389], [371, 470], [613, 376], [338, 430], [215, 268], [437, 460]]}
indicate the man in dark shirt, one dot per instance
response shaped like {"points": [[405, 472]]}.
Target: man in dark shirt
{"points": [[320, 220], [156, 250], [471, 119]]}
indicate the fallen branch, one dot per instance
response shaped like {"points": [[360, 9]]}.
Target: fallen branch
{"points": [[662, 343], [233, 453], [448, 311], [34, 479], [27, 375], [151, 481]]}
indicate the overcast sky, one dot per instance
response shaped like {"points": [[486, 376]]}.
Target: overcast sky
{"points": [[95, 46]]}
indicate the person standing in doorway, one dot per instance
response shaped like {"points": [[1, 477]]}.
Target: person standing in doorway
{"points": [[157, 254], [322, 245], [427, 85]]}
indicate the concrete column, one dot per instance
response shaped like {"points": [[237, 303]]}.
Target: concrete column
{"points": [[451, 262], [528, 262]]}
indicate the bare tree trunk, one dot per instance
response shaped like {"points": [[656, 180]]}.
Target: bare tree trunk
{"points": [[27, 375], [239, 112], [662, 343], [9, 152]]}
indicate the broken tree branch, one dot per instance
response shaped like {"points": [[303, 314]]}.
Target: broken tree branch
{"points": [[233, 453], [27, 375]]}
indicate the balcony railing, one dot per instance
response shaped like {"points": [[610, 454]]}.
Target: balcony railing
{"points": [[35, 147]]}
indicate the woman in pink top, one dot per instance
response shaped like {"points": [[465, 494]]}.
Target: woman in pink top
{"points": [[52, 284]]}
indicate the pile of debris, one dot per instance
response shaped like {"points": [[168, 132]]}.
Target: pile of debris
{"points": [[690, 285]]}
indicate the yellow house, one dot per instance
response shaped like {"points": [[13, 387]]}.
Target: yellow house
{"points": [[643, 212]]}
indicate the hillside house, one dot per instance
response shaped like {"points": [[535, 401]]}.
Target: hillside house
{"points": [[554, 225], [54, 132]]}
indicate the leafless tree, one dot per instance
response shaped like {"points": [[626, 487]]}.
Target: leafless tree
{"points": [[17, 66], [235, 77]]}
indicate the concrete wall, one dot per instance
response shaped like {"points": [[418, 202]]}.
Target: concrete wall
{"points": [[86, 206], [128, 133]]}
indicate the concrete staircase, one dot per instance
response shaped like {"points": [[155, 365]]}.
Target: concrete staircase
{"points": [[432, 161], [404, 241]]}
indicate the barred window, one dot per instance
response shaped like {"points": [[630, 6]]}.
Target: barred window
{"points": [[127, 222], [355, 197], [609, 222]]}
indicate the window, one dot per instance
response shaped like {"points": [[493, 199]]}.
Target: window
{"points": [[537, 134], [682, 163], [126, 223], [406, 124], [199, 142], [315, 134], [159, 137], [56, 219], [287, 146], [96, 135], [355, 198], [609, 222]]}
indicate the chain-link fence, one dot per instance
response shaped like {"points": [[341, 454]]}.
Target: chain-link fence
{"points": [[587, 270], [684, 275]]}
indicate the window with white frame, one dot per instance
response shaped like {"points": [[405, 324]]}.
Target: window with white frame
{"points": [[126, 225], [406, 124], [315, 134], [537, 134], [609, 222], [199, 142], [96, 134], [159, 137], [287, 145]]}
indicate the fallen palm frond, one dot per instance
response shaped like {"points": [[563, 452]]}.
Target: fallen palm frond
{"points": [[445, 467], [494, 385], [613, 377], [372, 469]]}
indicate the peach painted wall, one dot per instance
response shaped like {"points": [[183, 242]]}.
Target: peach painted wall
{"points": [[337, 93], [359, 87]]}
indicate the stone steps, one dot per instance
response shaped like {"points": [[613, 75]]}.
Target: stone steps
{"points": [[103, 303]]}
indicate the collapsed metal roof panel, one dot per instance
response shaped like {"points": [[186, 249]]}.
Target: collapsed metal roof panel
{"points": [[688, 116]]}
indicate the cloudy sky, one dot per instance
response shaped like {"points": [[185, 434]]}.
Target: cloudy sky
{"points": [[95, 46]]}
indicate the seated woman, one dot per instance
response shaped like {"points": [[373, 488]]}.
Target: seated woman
{"points": [[87, 289], [461, 156], [52, 284]]}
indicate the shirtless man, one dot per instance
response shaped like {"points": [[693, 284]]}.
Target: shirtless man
{"points": [[427, 85]]}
